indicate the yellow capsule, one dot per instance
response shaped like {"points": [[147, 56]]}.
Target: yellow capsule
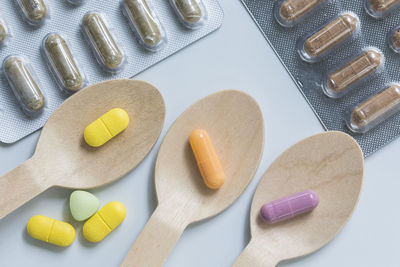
{"points": [[207, 160], [106, 127], [104, 221], [51, 231]]}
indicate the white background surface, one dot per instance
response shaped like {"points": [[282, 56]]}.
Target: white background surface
{"points": [[236, 56]]}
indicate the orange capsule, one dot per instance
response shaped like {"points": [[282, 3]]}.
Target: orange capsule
{"points": [[207, 160]]}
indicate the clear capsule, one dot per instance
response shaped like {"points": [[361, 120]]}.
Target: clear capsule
{"points": [[62, 63], [381, 8], [375, 110], [145, 23], [35, 12], [23, 84], [290, 12], [108, 53], [4, 33], [191, 13], [341, 80], [394, 39], [318, 44]]}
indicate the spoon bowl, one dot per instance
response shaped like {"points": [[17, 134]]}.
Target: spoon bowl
{"points": [[331, 164], [234, 123], [237, 135], [62, 158]]}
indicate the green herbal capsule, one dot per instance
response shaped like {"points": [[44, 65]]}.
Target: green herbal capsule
{"points": [[3, 33], [145, 23], [24, 86], [35, 11], [62, 63], [191, 13], [106, 49]]}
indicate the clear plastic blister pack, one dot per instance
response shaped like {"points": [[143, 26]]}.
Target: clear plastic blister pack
{"points": [[344, 57], [64, 46]]}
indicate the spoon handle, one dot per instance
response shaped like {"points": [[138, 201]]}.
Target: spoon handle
{"points": [[255, 255], [157, 239], [17, 187]]}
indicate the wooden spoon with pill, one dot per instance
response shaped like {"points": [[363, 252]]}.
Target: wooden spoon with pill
{"points": [[330, 164], [235, 125], [63, 159]]}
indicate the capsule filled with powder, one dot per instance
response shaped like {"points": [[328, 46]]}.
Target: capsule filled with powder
{"points": [[381, 8], [62, 63], [23, 84], [144, 23], [290, 12], [342, 80], [34, 11], [375, 110], [320, 43], [105, 47], [191, 13], [394, 39], [4, 33]]}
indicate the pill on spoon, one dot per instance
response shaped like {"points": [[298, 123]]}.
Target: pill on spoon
{"points": [[289, 207], [51, 231], [207, 160], [106, 127], [83, 205]]}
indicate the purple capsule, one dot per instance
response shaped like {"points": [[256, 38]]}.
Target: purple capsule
{"points": [[289, 207]]}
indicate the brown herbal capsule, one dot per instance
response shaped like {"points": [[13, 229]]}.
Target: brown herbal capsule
{"points": [[396, 38], [63, 62], [381, 5], [23, 85], [354, 71], [335, 32], [146, 25], [34, 10], [103, 42], [376, 109], [3, 33], [189, 10], [291, 10]]}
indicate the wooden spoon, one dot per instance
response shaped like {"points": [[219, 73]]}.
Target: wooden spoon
{"points": [[62, 158], [235, 125], [332, 165]]}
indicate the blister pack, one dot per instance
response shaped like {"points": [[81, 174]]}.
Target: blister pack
{"points": [[343, 56], [51, 49]]}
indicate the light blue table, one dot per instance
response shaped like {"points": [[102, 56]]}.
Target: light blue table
{"points": [[237, 57]]}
